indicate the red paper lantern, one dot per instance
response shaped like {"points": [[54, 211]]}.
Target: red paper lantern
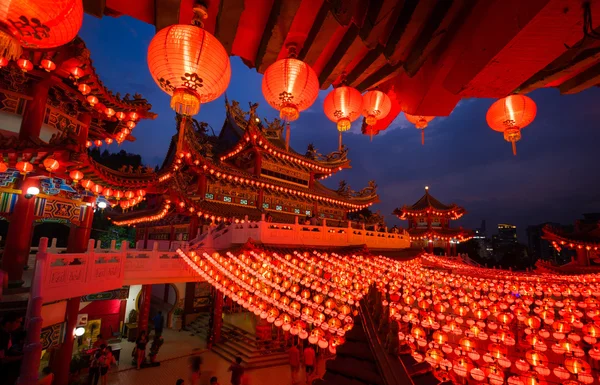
{"points": [[118, 194], [47, 65], [290, 86], [420, 123], [129, 194], [141, 192], [511, 114], [108, 140], [120, 115], [376, 106], [38, 24], [77, 72], [24, 64], [98, 143], [131, 124], [24, 167], [3, 167], [189, 64], [92, 100], [88, 143], [3, 61], [343, 105], [76, 175], [51, 164], [87, 184], [108, 192], [84, 89], [133, 116], [109, 112], [97, 189]]}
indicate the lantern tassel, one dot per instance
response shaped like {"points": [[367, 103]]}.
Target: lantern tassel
{"points": [[514, 148], [9, 46], [422, 137], [340, 142], [287, 136]]}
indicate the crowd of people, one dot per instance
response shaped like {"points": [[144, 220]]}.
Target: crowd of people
{"points": [[307, 356], [238, 373]]}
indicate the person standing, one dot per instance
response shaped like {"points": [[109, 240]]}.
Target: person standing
{"points": [[294, 354], [140, 349], [95, 365], [237, 371], [109, 360], [195, 366], [159, 323], [309, 359]]}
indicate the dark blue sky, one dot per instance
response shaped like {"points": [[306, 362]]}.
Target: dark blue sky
{"points": [[553, 178]]}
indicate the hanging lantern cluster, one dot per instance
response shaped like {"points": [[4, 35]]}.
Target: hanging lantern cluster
{"points": [[471, 322], [511, 114], [343, 105]]}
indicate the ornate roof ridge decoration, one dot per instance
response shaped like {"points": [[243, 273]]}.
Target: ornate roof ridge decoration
{"points": [[588, 237], [427, 204], [345, 191], [246, 121]]}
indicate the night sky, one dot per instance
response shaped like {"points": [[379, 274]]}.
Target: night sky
{"points": [[553, 178]]}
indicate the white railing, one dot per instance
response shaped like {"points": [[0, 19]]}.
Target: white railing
{"points": [[302, 235]]}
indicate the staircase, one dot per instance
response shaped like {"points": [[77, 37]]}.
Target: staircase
{"points": [[236, 342], [199, 327]]}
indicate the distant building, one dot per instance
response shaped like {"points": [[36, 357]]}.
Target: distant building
{"points": [[507, 234]]}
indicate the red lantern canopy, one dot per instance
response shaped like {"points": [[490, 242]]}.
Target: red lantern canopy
{"points": [[420, 123], [343, 105], [24, 167], [76, 175], [47, 65], [51, 164], [290, 86], [3, 167], [189, 64], [87, 184], [129, 194], [141, 192], [120, 115], [84, 89], [376, 106], [118, 194], [108, 192], [97, 189], [92, 100], [38, 24], [109, 112], [511, 114], [131, 124], [24, 64]]}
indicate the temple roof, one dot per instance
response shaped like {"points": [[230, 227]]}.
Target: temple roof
{"points": [[582, 236], [445, 233], [429, 205]]}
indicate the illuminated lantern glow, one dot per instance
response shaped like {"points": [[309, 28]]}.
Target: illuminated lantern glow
{"points": [[3, 61], [84, 89], [141, 192], [76, 73], [108, 192], [118, 194], [343, 105], [376, 106], [51, 164], [87, 184], [88, 143], [108, 140], [97, 189], [24, 64], [109, 112], [98, 143], [510, 115], [131, 124], [129, 194], [420, 123], [24, 167], [92, 100], [38, 24], [120, 115], [290, 86], [47, 65], [189, 64], [133, 116], [3, 167], [76, 175]]}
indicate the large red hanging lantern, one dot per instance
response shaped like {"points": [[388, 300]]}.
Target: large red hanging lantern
{"points": [[3, 166], [343, 105], [24, 167], [376, 106], [511, 114], [189, 64], [420, 123], [290, 86], [51, 164], [38, 24], [97, 189], [76, 175]]}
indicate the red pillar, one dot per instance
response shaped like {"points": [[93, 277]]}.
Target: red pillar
{"points": [[79, 236], [85, 119], [257, 163], [311, 181], [201, 191], [65, 352], [193, 229], [260, 199], [144, 310], [454, 250], [582, 257], [18, 239], [146, 237], [35, 109]]}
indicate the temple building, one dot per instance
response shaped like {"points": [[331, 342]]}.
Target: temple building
{"points": [[429, 224], [584, 240], [247, 172]]}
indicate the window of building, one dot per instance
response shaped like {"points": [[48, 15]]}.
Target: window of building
{"points": [[278, 208], [265, 205], [227, 199], [243, 201], [209, 196], [307, 212], [296, 211]]}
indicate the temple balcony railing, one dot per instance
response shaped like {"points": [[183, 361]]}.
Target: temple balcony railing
{"points": [[67, 275], [296, 234]]}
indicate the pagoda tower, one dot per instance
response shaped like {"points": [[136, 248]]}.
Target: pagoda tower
{"points": [[429, 224]]}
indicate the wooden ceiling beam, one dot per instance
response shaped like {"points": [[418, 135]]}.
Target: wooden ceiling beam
{"points": [[227, 22], [324, 27], [582, 81], [275, 33], [166, 13], [379, 21], [94, 7], [349, 47]]}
